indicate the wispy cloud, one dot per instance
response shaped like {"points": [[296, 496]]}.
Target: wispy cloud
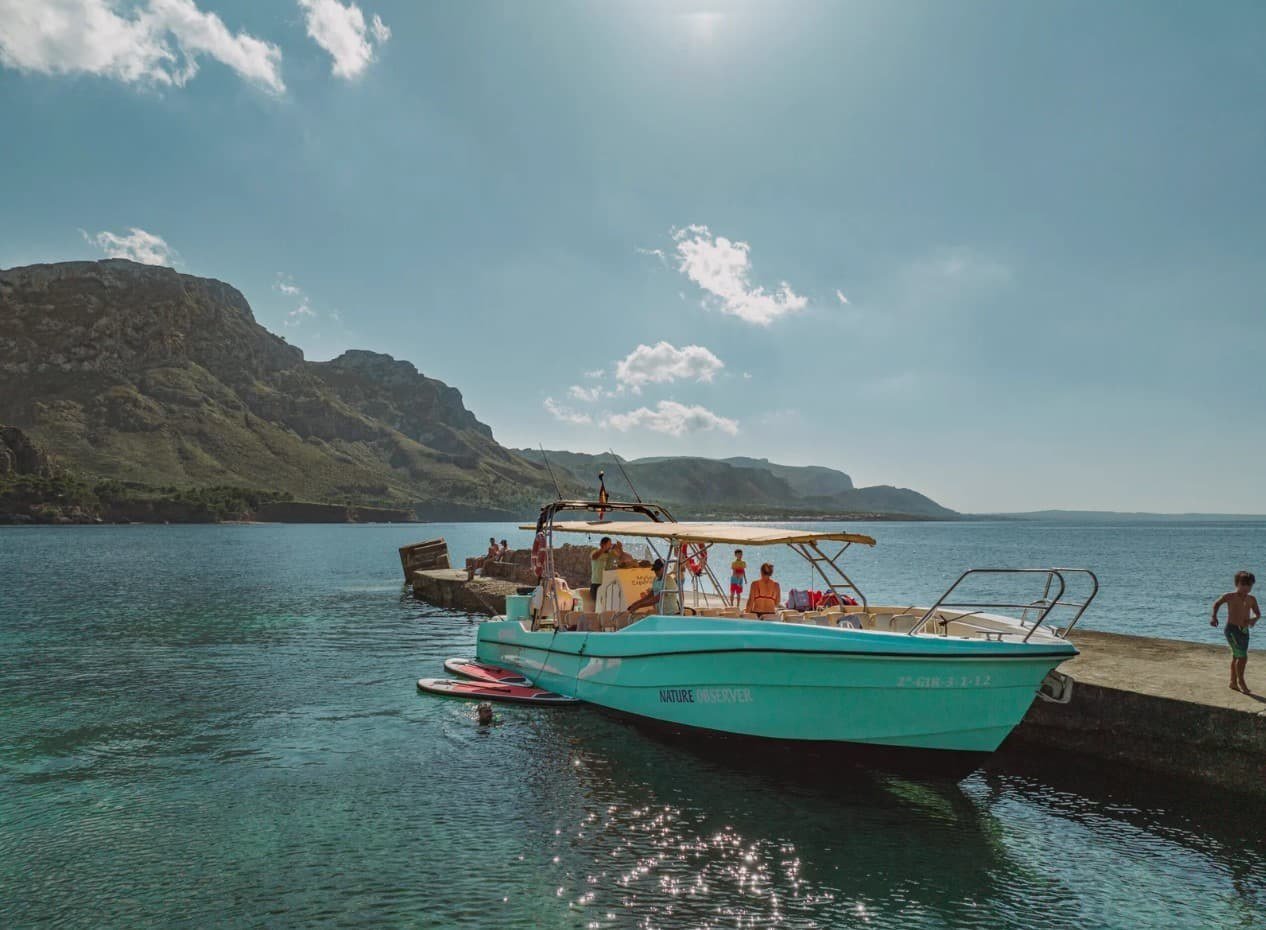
{"points": [[586, 394], [295, 316], [722, 268], [839, 295], [566, 414], [157, 42], [137, 245], [657, 253], [341, 30], [958, 269], [663, 363], [287, 286], [595, 373], [673, 418]]}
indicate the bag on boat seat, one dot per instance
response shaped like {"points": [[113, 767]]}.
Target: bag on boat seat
{"points": [[799, 600]]}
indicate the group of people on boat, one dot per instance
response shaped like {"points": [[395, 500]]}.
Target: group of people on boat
{"points": [[763, 599]]}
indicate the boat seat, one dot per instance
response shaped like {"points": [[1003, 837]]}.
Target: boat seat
{"points": [[791, 616], [897, 623]]}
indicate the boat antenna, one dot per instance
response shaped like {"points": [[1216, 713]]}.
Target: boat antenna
{"points": [[620, 465], [557, 489]]}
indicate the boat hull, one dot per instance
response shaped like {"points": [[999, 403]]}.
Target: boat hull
{"points": [[811, 685]]}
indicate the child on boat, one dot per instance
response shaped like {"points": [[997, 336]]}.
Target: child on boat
{"points": [[738, 577], [1242, 612]]}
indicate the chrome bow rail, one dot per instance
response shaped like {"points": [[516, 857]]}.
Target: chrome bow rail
{"points": [[1054, 580]]}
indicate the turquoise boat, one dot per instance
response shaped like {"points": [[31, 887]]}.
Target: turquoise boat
{"points": [[938, 683]]}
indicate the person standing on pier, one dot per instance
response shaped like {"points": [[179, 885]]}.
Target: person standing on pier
{"points": [[1242, 612]]}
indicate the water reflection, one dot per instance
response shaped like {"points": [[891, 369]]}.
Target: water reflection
{"points": [[643, 829]]}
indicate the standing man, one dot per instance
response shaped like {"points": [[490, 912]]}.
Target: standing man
{"points": [[604, 557]]}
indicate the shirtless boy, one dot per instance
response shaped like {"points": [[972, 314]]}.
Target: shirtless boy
{"points": [[1242, 612]]}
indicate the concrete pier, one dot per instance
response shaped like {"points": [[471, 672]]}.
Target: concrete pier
{"points": [[449, 587], [1161, 706]]}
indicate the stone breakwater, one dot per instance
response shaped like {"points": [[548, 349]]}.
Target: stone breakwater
{"points": [[570, 562], [1156, 705]]}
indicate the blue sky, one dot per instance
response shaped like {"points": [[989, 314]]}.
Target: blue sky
{"points": [[632, 224]]}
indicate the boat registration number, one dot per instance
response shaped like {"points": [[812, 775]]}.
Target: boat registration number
{"points": [[943, 681], [705, 696]]}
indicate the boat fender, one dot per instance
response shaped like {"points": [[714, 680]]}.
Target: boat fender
{"points": [[1056, 688], [538, 554]]}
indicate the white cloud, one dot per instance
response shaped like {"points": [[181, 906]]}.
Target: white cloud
{"points": [[595, 373], [586, 394], [138, 246], [286, 284], [663, 363], [340, 29], [722, 268], [840, 296], [673, 418], [566, 414], [155, 42]]}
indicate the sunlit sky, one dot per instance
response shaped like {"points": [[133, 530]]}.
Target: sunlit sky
{"points": [[1011, 255]]}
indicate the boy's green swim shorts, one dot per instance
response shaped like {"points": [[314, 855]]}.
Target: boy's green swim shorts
{"points": [[1237, 639]]}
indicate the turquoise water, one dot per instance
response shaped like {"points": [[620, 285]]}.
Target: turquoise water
{"points": [[219, 726]]}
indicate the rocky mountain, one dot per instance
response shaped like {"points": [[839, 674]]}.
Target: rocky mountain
{"points": [[742, 485], [141, 374]]}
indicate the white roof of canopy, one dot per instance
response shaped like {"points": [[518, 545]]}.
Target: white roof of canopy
{"points": [[704, 532]]}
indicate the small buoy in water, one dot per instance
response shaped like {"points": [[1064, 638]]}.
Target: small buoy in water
{"points": [[484, 712]]}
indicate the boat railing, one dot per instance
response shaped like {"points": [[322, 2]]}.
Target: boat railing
{"points": [[1054, 588]]}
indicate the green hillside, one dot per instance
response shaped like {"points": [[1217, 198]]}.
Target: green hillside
{"points": [[140, 374]]}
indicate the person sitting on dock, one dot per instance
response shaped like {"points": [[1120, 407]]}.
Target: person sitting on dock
{"points": [[651, 597], [490, 556], [765, 594], [1242, 612]]}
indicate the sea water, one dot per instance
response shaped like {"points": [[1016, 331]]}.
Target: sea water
{"points": [[218, 726]]}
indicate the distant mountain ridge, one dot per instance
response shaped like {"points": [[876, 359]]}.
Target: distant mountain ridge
{"points": [[742, 485], [142, 374]]}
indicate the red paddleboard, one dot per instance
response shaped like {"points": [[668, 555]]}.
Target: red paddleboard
{"points": [[473, 668], [489, 691]]}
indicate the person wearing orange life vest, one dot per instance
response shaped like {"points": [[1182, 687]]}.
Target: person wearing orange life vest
{"points": [[765, 594]]}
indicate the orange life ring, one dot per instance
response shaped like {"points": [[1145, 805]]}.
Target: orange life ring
{"points": [[538, 554], [694, 557]]}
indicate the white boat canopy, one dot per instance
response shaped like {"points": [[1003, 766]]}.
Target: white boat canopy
{"points": [[705, 532]]}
